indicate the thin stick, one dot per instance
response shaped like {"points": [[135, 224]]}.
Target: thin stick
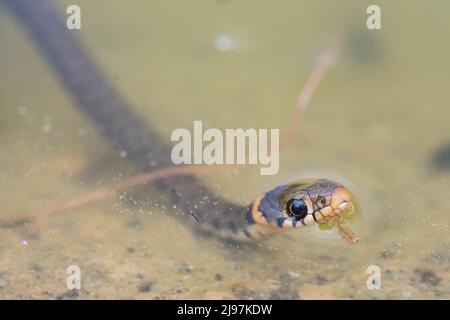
{"points": [[322, 65], [133, 182], [324, 62], [124, 185]]}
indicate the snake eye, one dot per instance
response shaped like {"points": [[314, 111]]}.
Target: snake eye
{"points": [[297, 208]]}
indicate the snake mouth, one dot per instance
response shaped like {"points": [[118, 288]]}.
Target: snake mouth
{"points": [[327, 213], [343, 206]]}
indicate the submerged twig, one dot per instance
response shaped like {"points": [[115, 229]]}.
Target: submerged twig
{"points": [[322, 65], [347, 234], [138, 180], [324, 62]]}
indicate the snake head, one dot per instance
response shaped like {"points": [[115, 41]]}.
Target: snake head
{"points": [[319, 202]]}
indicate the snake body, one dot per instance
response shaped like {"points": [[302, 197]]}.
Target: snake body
{"points": [[287, 207]]}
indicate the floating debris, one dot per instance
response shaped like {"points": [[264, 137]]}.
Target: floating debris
{"points": [[186, 268], [195, 216], [225, 43], [145, 286], [428, 276]]}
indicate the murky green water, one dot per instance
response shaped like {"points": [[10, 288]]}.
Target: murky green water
{"points": [[376, 121]]}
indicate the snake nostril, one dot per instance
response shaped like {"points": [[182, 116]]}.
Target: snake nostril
{"points": [[322, 200]]}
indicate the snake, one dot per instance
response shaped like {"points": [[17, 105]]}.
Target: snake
{"points": [[304, 203], [300, 204]]}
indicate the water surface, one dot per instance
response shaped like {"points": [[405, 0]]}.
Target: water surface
{"points": [[376, 122]]}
